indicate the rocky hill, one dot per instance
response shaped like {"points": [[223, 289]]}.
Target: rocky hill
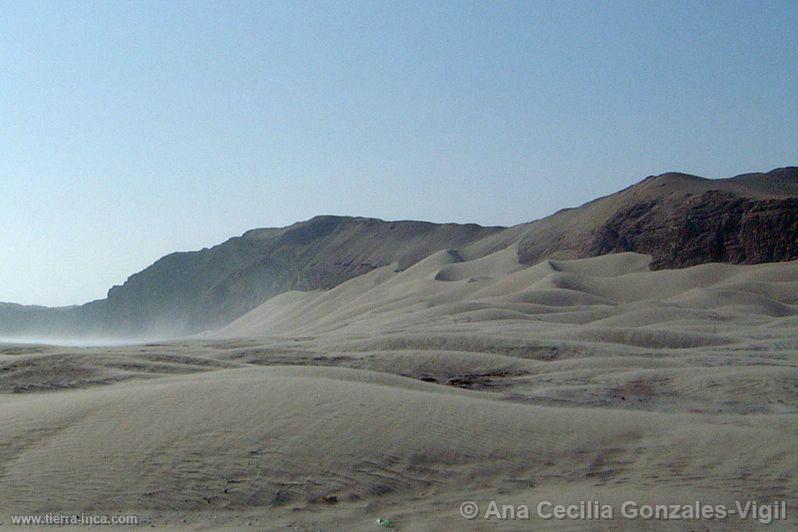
{"points": [[189, 292], [678, 219]]}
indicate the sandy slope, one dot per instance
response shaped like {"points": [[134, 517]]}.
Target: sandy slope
{"points": [[403, 393], [609, 297]]}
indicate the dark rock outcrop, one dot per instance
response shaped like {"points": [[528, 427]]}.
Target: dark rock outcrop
{"points": [[678, 219], [715, 226]]}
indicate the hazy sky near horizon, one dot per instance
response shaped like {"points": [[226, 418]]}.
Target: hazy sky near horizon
{"points": [[133, 129]]}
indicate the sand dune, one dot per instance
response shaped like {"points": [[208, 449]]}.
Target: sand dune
{"points": [[495, 288], [402, 393], [279, 438]]}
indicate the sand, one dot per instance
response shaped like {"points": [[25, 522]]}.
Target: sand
{"points": [[402, 393]]}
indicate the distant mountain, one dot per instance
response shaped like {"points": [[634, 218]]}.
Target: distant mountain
{"points": [[185, 293], [679, 219]]}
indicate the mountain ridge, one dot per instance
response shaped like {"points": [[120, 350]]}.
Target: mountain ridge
{"points": [[679, 219]]}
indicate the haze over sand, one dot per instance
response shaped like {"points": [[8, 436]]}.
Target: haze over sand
{"points": [[401, 394]]}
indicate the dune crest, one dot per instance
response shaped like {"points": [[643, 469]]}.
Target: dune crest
{"points": [[604, 299]]}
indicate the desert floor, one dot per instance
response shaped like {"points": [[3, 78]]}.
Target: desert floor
{"points": [[402, 394]]}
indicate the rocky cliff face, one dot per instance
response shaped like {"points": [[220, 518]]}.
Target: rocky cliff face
{"points": [[680, 220], [714, 226]]}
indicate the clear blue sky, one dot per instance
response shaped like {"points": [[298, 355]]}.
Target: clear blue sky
{"points": [[132, 129]]}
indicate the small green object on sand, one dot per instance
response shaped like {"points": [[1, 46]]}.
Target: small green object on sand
{"points": [[387, 523]]}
